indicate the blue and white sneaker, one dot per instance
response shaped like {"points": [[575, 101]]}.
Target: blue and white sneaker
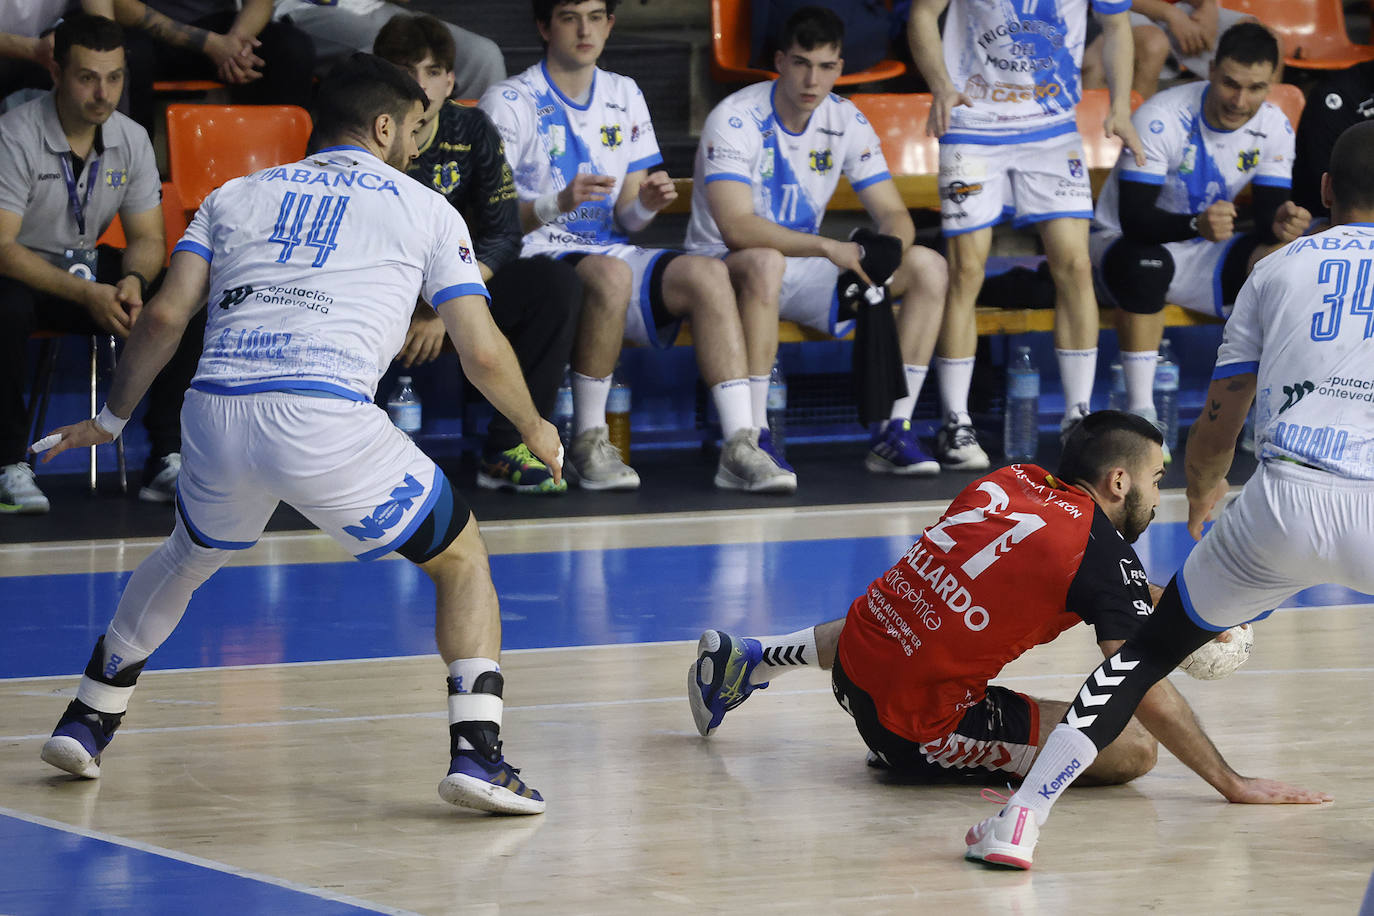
{"points": [[766, 443], [79, 738], [718, 680], [894, 450], [473, 781]]}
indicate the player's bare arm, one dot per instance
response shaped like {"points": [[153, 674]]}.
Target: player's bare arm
{"points": [[151, 344], [490, 364], [923, 34], [883, 203], [1116, 29], [1212, 445]]}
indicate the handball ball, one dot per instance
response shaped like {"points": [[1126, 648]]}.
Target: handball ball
{"points": [[1215, 659]]}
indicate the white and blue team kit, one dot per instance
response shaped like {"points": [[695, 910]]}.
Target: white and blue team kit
{"points": [[1019, 62], [1195, 165], [312, 285], [791, 177], [550, 139], [1304, 323]]}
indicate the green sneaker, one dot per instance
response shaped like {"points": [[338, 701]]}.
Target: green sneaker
{"points": [[517, 469]]}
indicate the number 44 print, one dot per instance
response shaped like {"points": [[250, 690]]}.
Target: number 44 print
{"points": [[324, 226]]}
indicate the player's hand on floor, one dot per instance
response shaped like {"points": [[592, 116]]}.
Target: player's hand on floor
{"points": [[1255, 791]]}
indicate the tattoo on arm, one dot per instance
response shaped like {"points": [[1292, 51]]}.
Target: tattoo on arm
{"points": [[1213, 410], [1236, 385], [171, 32]]}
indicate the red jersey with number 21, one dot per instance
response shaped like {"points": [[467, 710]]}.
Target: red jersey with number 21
{"points": [[1018, 558]]}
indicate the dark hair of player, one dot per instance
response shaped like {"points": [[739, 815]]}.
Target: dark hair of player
{"points": [[1352, 168], [94, 32], [356, 92], [543, 9], [1104, 440], [811, 27], [1248, 43], [405, 40]]}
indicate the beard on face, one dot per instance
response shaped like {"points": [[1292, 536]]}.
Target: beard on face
{"points": [[1137, 516]]}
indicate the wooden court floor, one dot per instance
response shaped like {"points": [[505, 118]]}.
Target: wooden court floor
{"points": [[319, 779]]}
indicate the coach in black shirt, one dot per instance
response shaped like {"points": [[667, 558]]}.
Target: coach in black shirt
{"points": [[533, 300], [1341, 99]]}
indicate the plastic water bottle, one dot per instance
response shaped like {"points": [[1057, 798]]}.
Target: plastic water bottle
{"points": [[1021, 423], [1116, 397], [404, 407], [1166, 395], [563, 408], [618, 416], [777, 410]]}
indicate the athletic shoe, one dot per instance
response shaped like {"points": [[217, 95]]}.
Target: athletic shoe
{"points": [[517, 469], [745, 466], [894, 450], [79, 738], [957, 448], [473, 781], [1071, 417], [1149, 414], [19, 494], [766, 443], [596, 464], [160, 478], [1007, 838], [718, 680]]}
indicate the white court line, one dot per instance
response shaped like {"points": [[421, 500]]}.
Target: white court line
{"points": [[203, 863]]}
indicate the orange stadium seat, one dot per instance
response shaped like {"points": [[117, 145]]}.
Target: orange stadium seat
{"points": [[209, 144], [1312, 31], [1290, 99], [173, 219], [730, 50], [899, 119], [1099, 150]]}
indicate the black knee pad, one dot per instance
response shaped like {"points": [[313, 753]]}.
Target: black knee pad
{"points": [[446, 520], [1138, 275]]}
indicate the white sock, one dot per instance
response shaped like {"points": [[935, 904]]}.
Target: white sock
{"points": [[1138, 368], [955, 377], [783, 653], [1067, 753], [758, 399], [915, 378], [732, 399], [1076, 371], [589, 402], [466, 706]]}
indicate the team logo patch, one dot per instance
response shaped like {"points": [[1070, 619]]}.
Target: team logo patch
{"points": [[634, 134], [1334, 101], [446, 177], [610, 136], [1156, 126], [1076, 168], [821, 161], [1247, 159], [866, 155], [465, 253], [736, 122], [959, 191], [510, 95], [116, 178]]}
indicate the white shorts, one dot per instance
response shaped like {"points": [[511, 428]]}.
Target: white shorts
{"points": [[645, 286], [1196, 285], [1291, 527], [339, 463], [1033, 182], [809, 296]]}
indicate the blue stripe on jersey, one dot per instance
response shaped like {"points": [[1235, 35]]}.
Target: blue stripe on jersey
{"points": [[727, 176], [202, 536], [1051, 44], [195, 248], [1108, 7], [871, 180], [594, 220], [1067, 126], [647, 162], [1142, 177], [280, 384], [460, 289], [1202, 179], [1272, 181], [425, 508], [783, 194], [1231, 369]]}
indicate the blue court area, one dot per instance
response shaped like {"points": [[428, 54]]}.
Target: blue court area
{"points": [[351, 610], [47, 870]]}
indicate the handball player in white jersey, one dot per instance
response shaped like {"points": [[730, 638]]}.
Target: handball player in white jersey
{"points": [[581, 146], [1299, 346], [1166, 232], [768, 162], [1004, 84], [310, 273]]}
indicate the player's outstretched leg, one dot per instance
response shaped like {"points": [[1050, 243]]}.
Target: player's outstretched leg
{"points": [[718, 680], [479, 776], [83, 732]]}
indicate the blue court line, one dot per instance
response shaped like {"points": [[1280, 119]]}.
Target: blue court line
{"points": [[49, 867], [329, 611]]}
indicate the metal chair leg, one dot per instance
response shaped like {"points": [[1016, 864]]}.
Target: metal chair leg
{"points": [[41, 389], [95, 351], [119, 443]]}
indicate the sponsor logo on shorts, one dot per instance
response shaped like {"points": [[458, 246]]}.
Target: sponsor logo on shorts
{"points": [[959, 191], [388, 514]]}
